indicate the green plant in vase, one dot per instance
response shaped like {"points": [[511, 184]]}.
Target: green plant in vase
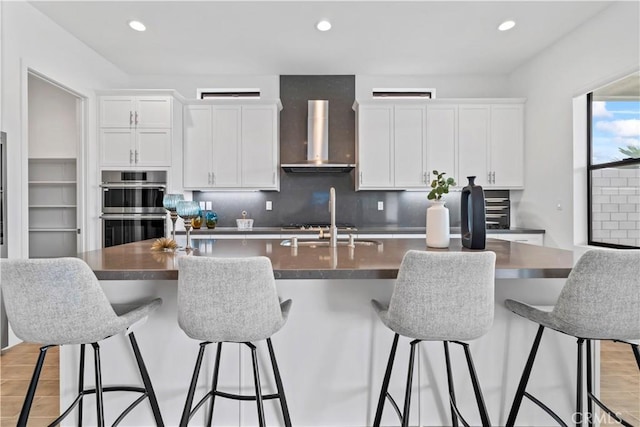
{"points": [[440, 185]]}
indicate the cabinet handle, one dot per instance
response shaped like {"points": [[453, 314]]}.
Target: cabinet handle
{"points": [[130, 117], [137, 156], [360, 177], [130, 156], [273, 180], [213, 178], [136, 117], [208, 177], [493, 174], [424, 177]]}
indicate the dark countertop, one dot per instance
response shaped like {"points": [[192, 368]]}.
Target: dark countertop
{"points": [[136, 261], [383, 229]]}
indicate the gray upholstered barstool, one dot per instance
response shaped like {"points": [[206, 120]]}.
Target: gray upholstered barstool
{"points": [[59, 302], [233, 300], [599, 301], [439, 296]]}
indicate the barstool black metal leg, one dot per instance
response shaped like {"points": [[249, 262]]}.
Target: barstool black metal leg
{"points": [[452, 393], [276, 374], [522, 386], [578, 414], [256, 381], [31, 391], [98, 374], [385, 382], [407, 393], [589, 386], [214, 384], [484, 414], [155, 408], [81, 384], [636, 353], [184, 421]]}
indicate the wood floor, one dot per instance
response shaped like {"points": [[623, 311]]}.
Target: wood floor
{"points": [[16, 368], [619, 384]]}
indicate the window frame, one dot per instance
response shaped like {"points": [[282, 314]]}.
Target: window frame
{"points": [[590, 168]]}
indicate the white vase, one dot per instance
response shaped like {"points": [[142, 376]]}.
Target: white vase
{"points": [[438, 225]]}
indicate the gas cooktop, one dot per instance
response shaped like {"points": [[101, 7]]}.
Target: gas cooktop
{"points": [[317, 226]]}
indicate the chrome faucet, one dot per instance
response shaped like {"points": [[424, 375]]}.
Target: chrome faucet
{"points": [[333, 230]]}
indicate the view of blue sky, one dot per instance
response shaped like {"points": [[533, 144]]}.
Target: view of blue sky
{"points": [[615, 125]]}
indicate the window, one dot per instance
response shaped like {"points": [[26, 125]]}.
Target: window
{"points": [[613, 165]]}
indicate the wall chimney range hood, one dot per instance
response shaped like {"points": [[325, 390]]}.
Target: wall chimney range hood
{"points": [[317, 143]]}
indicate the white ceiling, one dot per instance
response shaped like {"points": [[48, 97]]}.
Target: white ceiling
{"points": [[368, 37]]}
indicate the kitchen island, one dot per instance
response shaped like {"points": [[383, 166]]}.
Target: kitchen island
{"points": [[333, 350]]}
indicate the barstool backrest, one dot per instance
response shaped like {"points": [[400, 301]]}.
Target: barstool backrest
{"points": [[602, 295], [228, 299], [444, 295], [55, 301]]}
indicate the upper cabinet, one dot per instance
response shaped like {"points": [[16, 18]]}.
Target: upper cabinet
{"points": [[390, 146], [136, 131], [401, 143], [231, 146]]}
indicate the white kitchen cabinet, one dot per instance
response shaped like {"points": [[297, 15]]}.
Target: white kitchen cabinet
{"points": [[507, 146], [135, 131], [135, 111], [491, 144], [473, 143], [442, 140], [374, 147], [231, 146], [391, 147]]}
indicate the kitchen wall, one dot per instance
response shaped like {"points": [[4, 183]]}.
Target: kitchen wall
{"points": [[603, 49], [304, 197], [32, 41]]}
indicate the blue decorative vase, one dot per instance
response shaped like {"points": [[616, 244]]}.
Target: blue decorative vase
{"points": [[211, 219], [472, 215]]}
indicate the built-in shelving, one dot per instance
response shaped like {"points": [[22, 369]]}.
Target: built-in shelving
{"points": [[52, 208]]}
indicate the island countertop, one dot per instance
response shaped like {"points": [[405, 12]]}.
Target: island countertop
{"points": [[136, 261]]}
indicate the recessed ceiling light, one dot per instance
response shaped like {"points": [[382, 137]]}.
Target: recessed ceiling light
{"points": [[506, 25], [323, 26], [137, 25]]}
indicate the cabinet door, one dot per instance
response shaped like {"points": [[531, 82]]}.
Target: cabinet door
{"points": [[259, 147], [117, 111], [226, 146], [153, 147], [153, 112], [473, 143], [409, 146], [117, 147], [375, 147], [442, 141], [196, 157], [507, 148]]}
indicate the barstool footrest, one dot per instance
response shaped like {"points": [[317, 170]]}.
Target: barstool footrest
{"points": [[608, 411], [395, 406], [458, 414], [244, 397], [545, 408], [104, 389]]}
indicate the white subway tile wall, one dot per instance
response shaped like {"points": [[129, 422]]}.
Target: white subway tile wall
{"points": [[615, 206]]}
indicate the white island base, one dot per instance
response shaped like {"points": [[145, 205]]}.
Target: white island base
{"points": [[332, 355]]}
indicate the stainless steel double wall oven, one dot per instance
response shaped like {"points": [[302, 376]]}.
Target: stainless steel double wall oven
{"points": [[132, 206]]}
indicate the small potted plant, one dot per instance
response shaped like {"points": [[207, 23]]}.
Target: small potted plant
{"points": [[440, 185], [438, 214]]}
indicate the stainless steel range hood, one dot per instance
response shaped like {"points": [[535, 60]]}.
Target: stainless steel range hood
{"points": [[317, 143]]}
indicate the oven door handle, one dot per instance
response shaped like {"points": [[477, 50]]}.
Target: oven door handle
{"points": [[161, 187], [132, 217]]}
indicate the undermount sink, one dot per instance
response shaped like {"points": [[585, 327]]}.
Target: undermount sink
{"points": [[326, 243]]}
